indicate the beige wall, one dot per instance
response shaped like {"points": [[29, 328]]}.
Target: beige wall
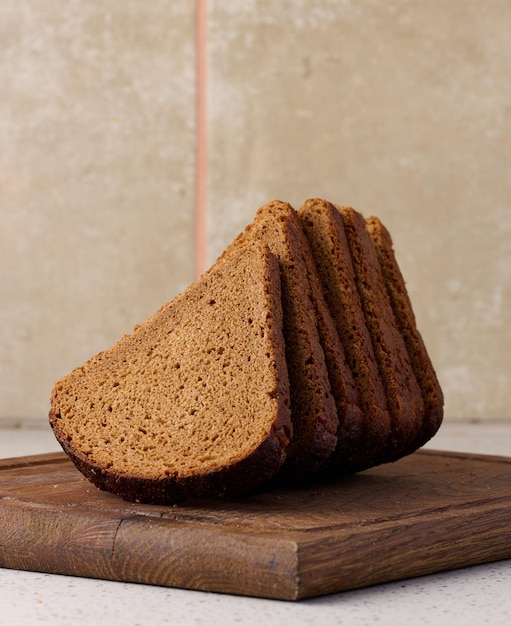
{"points": [[399, 108], [97, 175]]}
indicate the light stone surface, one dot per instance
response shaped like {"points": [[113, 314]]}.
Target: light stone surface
{"points": [[468, 597], [96, 180], [399, 109]]}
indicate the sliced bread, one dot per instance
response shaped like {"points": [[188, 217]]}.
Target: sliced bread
{"points": [[324, 228], [405, 318], [296, 355], [404, 398], [195, 402], [313, 409]]}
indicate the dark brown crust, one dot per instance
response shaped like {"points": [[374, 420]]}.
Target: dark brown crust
{"points": [[313, 409], [350, 434], [402, 391], [405, 319], [324, 227], [230, 482]]}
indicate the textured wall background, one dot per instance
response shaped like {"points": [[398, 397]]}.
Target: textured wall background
{"points": [[399, 108], [97, 174]]}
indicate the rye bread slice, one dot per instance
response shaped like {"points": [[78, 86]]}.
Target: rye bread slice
{"points": [[195, 402], [324, 228], [403, 394], [345, 457], [313, 410], [405, 318]]}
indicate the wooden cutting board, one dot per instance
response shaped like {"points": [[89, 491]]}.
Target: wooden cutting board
{"points": [[429, 512]]}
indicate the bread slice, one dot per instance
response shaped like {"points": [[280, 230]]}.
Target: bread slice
{"points": [[402, 390], [313, 410], [324, 228], [345, 457], [405, 318], [195, 402]]}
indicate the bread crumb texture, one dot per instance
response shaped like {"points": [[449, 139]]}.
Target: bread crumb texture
{"points": [[197, 388]]}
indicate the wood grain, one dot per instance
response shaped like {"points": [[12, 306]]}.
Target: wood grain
{"points": [[429, 512]]}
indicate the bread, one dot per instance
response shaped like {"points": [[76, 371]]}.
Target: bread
{"points": [[367, 296], [345, 458], [195, 402], [313, 410], [324, 228], [404, 398], [296, 357], [405, 318]]}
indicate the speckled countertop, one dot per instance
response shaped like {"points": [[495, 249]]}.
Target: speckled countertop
{"points": [[475, 595]]}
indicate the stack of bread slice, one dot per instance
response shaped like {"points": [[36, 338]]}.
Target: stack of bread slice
{"points": [[295, 357]]}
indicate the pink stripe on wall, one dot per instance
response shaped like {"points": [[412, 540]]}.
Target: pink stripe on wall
{"points": [[201, 136]]}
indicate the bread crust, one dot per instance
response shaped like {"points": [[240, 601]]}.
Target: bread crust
{"points": [[313, 409], [404, 398], [324, 228], [405, 318], [230, 482]]}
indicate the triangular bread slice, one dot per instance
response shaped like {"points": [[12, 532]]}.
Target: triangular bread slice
{"points": [[195, 402], [324, 228], [403, 394], [345, 458], [405, 318], [313, 410]]}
